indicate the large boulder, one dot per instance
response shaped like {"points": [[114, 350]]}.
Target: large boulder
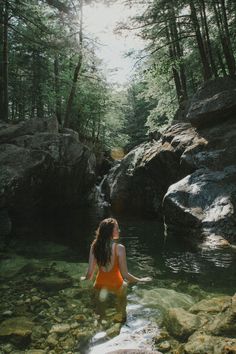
{"points": [[214, 102], [42, 167], [203, 201], [137, 183], [181, 324]]}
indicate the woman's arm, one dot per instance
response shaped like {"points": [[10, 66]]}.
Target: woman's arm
{"points": [[91, 266], [123, 267]]}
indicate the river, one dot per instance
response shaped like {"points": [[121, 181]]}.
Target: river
{"points": [[57, 245]]}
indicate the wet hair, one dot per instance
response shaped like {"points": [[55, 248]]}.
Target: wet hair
{"points": [[102, 243]]}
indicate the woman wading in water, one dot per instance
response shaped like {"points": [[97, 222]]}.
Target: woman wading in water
{"points": [[110, 257]]}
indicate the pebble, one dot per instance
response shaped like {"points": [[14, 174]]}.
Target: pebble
{"points": [[7, 313], [60, 328], [164, 346]]}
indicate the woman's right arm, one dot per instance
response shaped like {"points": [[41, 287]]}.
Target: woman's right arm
{"points": [[124, 269]]}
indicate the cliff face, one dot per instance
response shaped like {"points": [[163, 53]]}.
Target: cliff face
{"points": [[189, 175], [41, 166]]}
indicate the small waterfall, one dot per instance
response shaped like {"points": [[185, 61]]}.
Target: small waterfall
{"points": [[99, 196]]}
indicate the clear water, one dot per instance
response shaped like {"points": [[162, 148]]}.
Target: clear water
{"points": [[63, 240]]}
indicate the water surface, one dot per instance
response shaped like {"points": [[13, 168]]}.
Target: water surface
{"points": [[58, 245]]}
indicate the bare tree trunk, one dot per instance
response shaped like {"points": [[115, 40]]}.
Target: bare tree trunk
{"points": [[175, 72], [208, 46], [5, 63], [76, 73], [229, 50], [1, 53], [207, 74], [57, 93], [222, 24]]}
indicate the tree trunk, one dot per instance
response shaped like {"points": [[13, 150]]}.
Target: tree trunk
{"points": [[76, 72], [57, 90], [178, 52], [1, 53], [5, 63], [222, 25], [228, 46], [175, 72], [39, 97], [207, 74], [208, 42]]}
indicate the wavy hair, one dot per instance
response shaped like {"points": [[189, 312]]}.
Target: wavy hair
{"points": [[102, 243]]}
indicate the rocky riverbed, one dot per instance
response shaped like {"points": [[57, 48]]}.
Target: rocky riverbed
{"points": [[46, 309]]}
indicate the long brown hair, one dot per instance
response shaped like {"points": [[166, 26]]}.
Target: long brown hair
{"points": [[102, 243]]}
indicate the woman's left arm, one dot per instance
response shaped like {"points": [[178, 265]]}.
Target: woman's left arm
{"points": [[91, 266]]}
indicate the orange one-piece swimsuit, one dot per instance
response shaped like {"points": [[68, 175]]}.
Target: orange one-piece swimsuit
{"points": [[112, 280]]}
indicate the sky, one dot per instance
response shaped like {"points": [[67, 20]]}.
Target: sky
{"points": [[100, 21]]}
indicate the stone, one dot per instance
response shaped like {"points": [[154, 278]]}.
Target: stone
{"points": [[203, 201], [214, 102], [164, 346], [60, 328], [202, 343], [33, 155], [224, 322], [35, 351], [20, 326], [213, 305], [181, 324], [164, 299], [114, 330], [53, 283]]}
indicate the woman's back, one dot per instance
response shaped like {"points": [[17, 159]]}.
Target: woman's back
{"points": [[109, 276]]}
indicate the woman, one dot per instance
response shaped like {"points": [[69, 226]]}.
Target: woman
{"points": [[110, 257]]}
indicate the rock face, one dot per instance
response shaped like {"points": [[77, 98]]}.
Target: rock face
{"points": [[141, 179], [189, 174], [214, 101], [40, 166]]}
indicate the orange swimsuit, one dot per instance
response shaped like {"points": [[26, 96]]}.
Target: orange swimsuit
{"points": [[111, 280]]}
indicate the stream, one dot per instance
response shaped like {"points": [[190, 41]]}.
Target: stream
{"points": [[40, 271]]}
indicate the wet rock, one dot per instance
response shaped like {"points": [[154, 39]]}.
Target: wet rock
{"points": [[17, 330], [53, 283], [164, 346], [201, 343], [164, 299], [224, 323], [213, 305], [114, 330], [181, 324], [80, 318], [35, 351], [7, 348], [60, 328], [203, 201], [52, 340]]}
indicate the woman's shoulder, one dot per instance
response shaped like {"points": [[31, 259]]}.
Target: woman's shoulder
{"points": [[120, 248]]}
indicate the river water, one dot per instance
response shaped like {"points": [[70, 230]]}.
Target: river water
{"points": [[57, 246]]}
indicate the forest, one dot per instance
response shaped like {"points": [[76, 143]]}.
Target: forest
{"points": [[49, 66]]}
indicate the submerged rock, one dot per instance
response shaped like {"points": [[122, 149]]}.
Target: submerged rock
{"points": [[213, 305], [53, 283], [181, 324], [202, 343], [164, 299], [17, 329]]}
